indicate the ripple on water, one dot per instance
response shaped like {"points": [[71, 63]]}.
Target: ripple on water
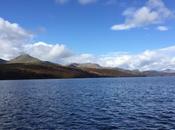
{"points": [[105, 104]]}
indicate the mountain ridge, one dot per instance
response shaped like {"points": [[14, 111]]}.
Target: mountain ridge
{"points": [[28, 67]]}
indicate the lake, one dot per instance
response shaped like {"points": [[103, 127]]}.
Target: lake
{"points": [[88, 104]]}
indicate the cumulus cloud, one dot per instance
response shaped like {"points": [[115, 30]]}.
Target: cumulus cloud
{"points": [[162, 28], [153, 12], [47, 52], [79, 58], [15, 40], [12, 38], [159, 59]]}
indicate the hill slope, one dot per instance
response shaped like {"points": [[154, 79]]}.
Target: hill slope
{"points": [[27, 67], [25, 59], [40, 71]]}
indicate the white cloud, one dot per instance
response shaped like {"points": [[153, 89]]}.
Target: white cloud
{"points": [[162, 28], [12, 38], [48, 52], [154, 12], [15, 40], [79, 58], [150, 59], [159, 59]]}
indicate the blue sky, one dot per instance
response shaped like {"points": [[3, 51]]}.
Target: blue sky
{"points": [[87, 26]]}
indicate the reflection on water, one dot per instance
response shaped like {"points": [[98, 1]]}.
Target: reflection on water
{"points": [[116, 103]]}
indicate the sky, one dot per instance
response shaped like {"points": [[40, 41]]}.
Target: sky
{"points": [[130, 34]]}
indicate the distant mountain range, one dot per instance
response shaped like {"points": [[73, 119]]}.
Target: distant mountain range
{"points": [[169, 71], [28, 67]]}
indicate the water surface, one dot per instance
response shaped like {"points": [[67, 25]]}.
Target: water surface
{"points": [[92, 104]]}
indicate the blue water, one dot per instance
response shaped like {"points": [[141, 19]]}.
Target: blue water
{"points": [[88, 104]]}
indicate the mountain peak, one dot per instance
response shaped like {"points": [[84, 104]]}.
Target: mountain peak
{"points": [[25, 58]]}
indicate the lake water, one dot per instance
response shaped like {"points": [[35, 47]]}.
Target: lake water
{"points": [[88, 104]]}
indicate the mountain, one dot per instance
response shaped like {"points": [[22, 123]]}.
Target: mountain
{"points": [[85, 65], [2, 61], [169, 71], [110, 72], [158, 73], [105, 71], [40, 71], [25, 59], [28, 67]]}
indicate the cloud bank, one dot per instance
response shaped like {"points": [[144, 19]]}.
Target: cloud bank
{"points": [[15, 40], [159, 59], [12, 38], [153, 12]]}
